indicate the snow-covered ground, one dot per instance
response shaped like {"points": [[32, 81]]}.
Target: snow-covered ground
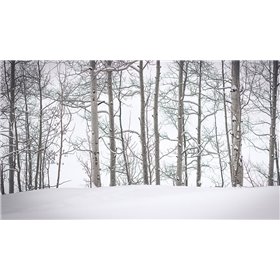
{"points": [[159, 202]]}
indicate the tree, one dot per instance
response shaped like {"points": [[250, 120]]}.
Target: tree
{"points": [[11, 129], [143, 124], [94, 127], [237, 165], [124, 145], [112, 125], [157, 148], [64, 91], [180, 125], [2, 178], [272, 138], [28, 155], [38, 174], [199, 151], [226, 119]]}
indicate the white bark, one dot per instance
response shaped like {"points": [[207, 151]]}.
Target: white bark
{"points": [[94, 127], [112, 126], [198, 170], [11, 129], [180, 126], [226, 121], [237, 165], [157, 164], [272, 139], [143, 126]]}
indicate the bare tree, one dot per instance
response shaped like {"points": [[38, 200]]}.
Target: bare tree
{"points": [[272, 138], [38, 174], [226, 119], [180, 125], [2, 178], [11, 128], [143, 125], [94, 126], [65, 117], [237, 165], [157, 148], [28, 155], [112, 126], [124, 146], [198, 171]]}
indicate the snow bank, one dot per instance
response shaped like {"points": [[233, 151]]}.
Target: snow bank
{"points": [[159, 202]]}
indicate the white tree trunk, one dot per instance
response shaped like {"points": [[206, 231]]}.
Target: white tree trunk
{"points": [[94, 127], [11, 130], [157, 164], [237, 164], [198, 170], [124, 147], [112, 127], [226, 120], [143, 126], [180, 126], [272, 139], [2, 178]]}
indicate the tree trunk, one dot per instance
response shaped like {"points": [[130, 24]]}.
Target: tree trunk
{"points": [[11, 130], [226, 123], [143, 126], [198, 171], [2, 178], [149, 156], [39, 152], [61, 109], [277, 163], [28, 140], [112, 127], [17, 155], [237, 165], [180, 126], [186, 179], [124, 148], [272, 139], [157, 164], [94, 127], [217, 140]]}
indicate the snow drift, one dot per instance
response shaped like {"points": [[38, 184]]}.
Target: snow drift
{"points": [[143, 202]]}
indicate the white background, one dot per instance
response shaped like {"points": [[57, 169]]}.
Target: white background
{"points": [[139, 30]]}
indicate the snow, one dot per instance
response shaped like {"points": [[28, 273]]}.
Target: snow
{"points": [[134, 202]]}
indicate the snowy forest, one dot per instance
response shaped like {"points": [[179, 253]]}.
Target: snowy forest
{"points": [[182, 123], [139, 140]]}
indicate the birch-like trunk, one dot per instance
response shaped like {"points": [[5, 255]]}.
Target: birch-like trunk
{"points": [[217, 144], [2, 178], [272, 139], [39, 152], [17, 158], [157, 164], [112, 126], [94, 127], [149, 156], [143, 126], [11, 130], [226, 120], [277, 163], [28, 140], [124, 147], [180, 126], [61, 132], [198, 169], [186, 179], [237, 165]]}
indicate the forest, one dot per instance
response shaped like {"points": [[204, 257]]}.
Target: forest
{"points": [[183, 123]]}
